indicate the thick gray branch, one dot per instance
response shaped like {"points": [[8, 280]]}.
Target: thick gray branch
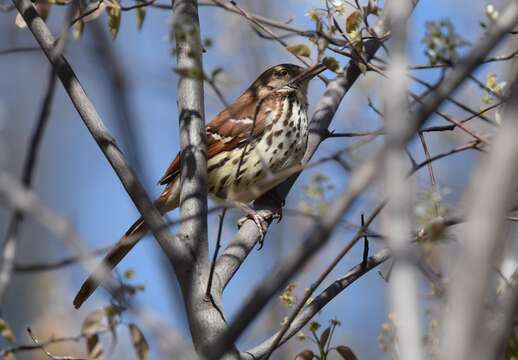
{"points": [[398, 217], [205, 316]]}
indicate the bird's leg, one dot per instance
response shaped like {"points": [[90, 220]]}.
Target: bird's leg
{"points": [[257, 218], [278, 201]]}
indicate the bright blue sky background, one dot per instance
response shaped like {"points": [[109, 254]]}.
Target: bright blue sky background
{"points": [[75, 180]]}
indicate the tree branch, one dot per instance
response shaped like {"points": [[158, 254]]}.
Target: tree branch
{"points": [[319, 302], [55, 265], [205, 317], [245, 240], [398, 219], [171, 245], [358, 181]]}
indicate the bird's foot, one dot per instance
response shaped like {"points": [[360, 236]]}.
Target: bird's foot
{"points": [[259, 219]]}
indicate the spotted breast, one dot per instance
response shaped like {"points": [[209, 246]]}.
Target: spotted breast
{"points": [[233, 174]]}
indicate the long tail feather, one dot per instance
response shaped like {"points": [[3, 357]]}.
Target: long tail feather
{"points": [[136, 232]]}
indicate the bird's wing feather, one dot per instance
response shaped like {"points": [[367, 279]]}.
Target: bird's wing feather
{"points": [[232, 127]]}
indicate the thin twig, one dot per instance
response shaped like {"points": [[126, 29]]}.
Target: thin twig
{"points": [[307, 294], [38, 344], [42, 347], [365, 242], [17, 50], [216, 251], [56, 265], [455, 102]]}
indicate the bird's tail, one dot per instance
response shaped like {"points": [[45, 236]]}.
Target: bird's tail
{"points": [[168, 200], [136, 232]]}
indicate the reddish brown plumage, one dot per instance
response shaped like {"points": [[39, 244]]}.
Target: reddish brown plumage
{"points": [[268, 118], [252, 104], [222, 128]]}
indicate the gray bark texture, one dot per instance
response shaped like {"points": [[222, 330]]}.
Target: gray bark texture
{"points": [[205, 315]]}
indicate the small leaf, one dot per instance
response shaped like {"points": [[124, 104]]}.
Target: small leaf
{"points": [[336, 322], [346, 352], [113, 310], [331, 63], [314, 326], [208, 42], [325, 336], [94, 347], [6, 332], [129, 274], [314, 15], [362, 67], [141, 14], [300, 50], [79, 27], [43, 10], [353, 21], [139, 342], [305, 355], [20, 22], [215, 72], [93, 11], [487, 100], [92, 322], [373, 8], [114, 20]]}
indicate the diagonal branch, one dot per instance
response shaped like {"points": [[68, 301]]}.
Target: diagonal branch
{"points": [[329, 293], [360, 179], [171, 245], [245, 240], [275, 341], [319, 302]]}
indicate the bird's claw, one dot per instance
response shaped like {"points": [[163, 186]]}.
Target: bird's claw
{"points": [[260, 222]]}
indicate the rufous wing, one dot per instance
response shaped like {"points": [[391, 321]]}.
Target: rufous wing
{"points": [[244, 119]]}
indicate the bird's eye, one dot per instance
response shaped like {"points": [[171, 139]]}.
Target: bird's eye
{"points": [[282, 72]]}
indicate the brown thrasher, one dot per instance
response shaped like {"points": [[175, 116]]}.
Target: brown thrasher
{"points": [[263, 132]]}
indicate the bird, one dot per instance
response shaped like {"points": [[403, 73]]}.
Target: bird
{"points": [[262, 133]]}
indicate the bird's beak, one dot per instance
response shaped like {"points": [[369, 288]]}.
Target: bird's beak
{"points": [[310, 72]]}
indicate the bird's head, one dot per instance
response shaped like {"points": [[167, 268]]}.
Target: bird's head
{"points": [[285, 76]]}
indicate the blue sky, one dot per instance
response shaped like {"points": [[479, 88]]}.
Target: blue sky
{"points": [[75, 180]]}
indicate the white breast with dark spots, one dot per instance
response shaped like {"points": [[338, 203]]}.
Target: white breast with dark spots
{"points": [[282, 145]]}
